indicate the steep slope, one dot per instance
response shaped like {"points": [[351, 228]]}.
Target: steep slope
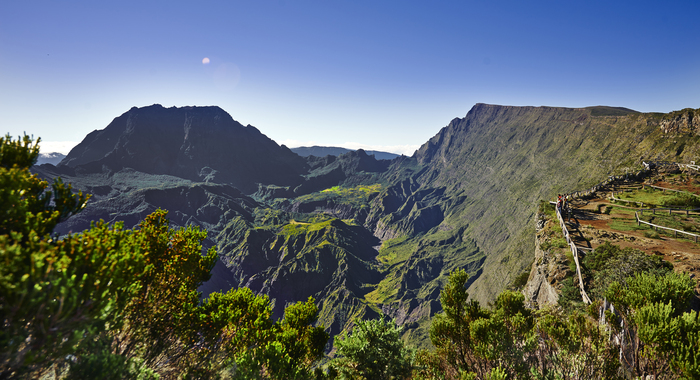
{"points": [[494, 165], [327, 258], [195, 143]]}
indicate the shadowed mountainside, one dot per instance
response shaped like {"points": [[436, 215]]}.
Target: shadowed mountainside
{"points": [[195, 143]]}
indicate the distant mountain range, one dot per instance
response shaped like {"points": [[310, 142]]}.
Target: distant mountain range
{"points": [[319, 151], [52, 158], [361, 235], [322, 151]]}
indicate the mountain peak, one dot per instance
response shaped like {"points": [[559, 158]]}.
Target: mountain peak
{"points": [[187, 142]]}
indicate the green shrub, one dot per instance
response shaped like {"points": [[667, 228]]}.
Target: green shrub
{"points": [[682, 200], [652, 234], [559, 242], [520, 280], [598, 258], [374, 350], [625, 263], [570, 292]]}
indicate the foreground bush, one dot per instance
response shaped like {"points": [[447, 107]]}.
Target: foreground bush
{"points": [[116, 303], [648, 333], [374, 350]]}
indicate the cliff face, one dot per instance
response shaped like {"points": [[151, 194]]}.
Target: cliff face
{"points": [[686, 122], [495, 164], [549, 269]]}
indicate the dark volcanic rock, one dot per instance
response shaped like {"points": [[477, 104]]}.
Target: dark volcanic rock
{"points": [[195, 143]]}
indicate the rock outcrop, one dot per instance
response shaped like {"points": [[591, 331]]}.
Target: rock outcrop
{"points": [[686, 122], [548, 272]]}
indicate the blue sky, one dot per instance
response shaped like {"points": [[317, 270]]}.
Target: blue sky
{"points": [[376, 74]]}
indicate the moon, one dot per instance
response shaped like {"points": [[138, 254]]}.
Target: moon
{"points": [[205, 61]]}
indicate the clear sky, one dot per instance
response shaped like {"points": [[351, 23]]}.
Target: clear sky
{"points": [[384, 75]]}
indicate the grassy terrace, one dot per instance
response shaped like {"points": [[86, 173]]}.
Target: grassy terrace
{"points": [[623, 218], [355, 196], [658, 198]]}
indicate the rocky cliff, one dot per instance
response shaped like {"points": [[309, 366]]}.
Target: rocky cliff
{"points": [[684, 122], [549, 268]]}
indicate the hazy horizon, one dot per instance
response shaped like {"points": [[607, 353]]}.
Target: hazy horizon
{"points": [[387, 75]]}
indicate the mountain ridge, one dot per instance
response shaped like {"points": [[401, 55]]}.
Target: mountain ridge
{"points": [[466, 199], [321, 151]]}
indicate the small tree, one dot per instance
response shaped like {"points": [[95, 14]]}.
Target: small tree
{"points": [[450, 330], [374, 350], [659, 337], [505, 338]]}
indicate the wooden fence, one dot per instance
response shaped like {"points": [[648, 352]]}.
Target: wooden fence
{"points": [[612, 196], [644, 185], [574, 252], [656, 227], [689, 166], [685, 211], [605, 183]]}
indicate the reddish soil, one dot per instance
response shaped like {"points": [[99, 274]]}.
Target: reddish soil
{"points": [[594, 229], [689, 185]]}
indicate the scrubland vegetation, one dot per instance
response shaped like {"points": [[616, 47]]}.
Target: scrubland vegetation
{"points": [[113, 303]]}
